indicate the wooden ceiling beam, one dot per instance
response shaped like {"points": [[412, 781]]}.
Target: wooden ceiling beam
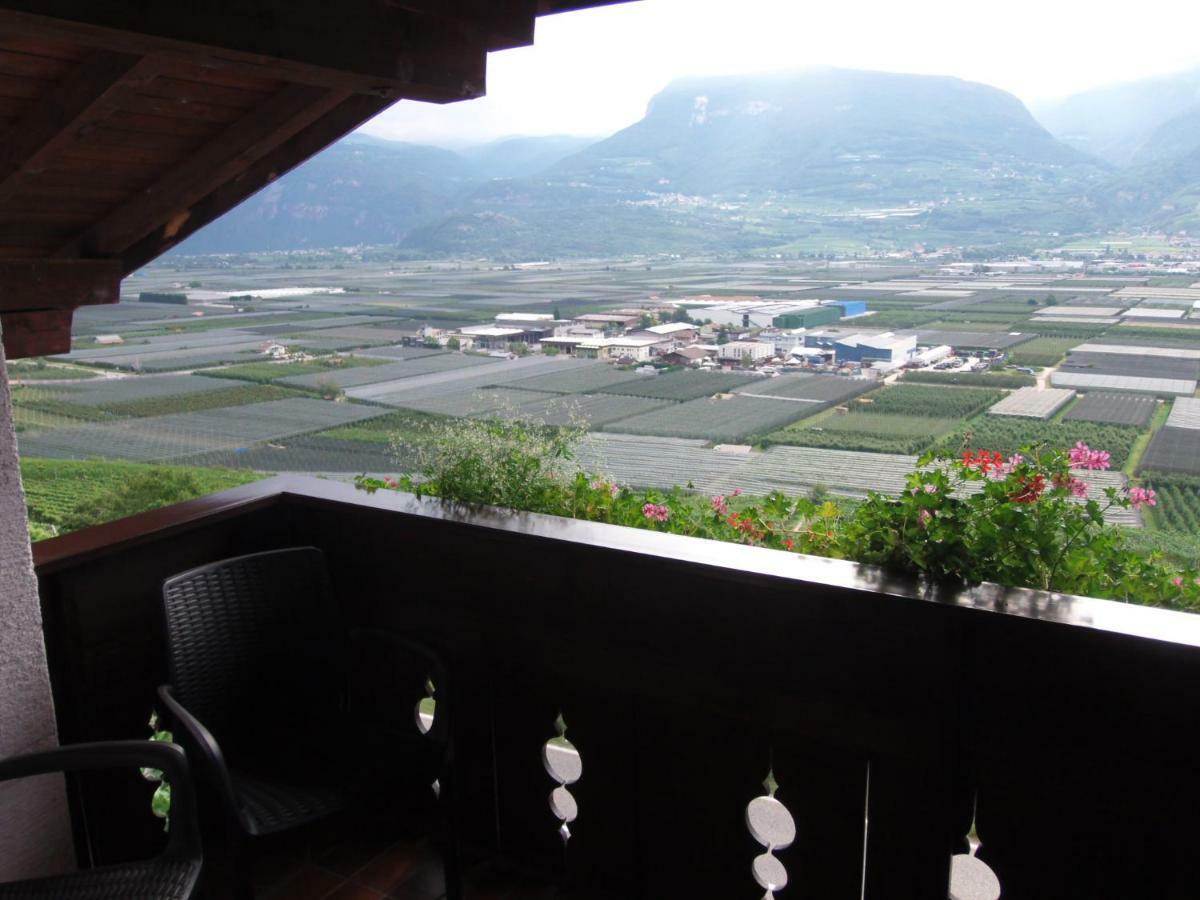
{"points": [[32, 284], [42, 333], [335, 124], [165, 205], [389, 52], [88, 95]]}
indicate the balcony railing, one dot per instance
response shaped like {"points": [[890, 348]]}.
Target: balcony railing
{"points": [[890, 715]]}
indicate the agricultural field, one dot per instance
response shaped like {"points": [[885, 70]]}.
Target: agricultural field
{"points": [[1173, 450], [731, 420], [164, 438], [1009, 434], [1113, 409], [108, 391], [826, 390], [479, 402], [409, 368], [588, 410], [598, 376], [393, 353], [918, 400], [899, 419], [682, 385], [238, 395], [971, 379], [876, 433], [222, 415], [265, 372], [40, 370], [1178, 507], [1042, 351], [56, 490]]}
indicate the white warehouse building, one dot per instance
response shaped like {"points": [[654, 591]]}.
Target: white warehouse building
{"points": [[735, 351]]}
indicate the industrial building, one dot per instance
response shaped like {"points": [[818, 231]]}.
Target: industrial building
{"points": [[736, 351], [887, 347], [778, 314]]}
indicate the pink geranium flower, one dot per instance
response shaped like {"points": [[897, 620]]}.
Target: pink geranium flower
{"points": [[1084, 457], [655, 512], [1140, 496]]}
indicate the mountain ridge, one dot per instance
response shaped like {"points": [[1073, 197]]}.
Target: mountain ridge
{"points": [[785, 161]]}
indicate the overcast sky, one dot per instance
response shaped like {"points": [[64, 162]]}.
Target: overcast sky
{"points": [[592, 72]]}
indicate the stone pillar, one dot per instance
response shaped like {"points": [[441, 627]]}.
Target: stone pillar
{"points": [[35, 837]]}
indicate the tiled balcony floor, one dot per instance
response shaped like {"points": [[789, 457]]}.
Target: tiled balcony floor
{"points": [[365, 870]]}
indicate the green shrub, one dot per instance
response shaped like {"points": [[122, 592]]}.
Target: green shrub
{"points": [[1025, 526]]}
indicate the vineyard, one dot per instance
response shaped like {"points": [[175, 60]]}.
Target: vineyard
{"points": [[917, 400], [595, 377], [1008, 435], [972, 379], [390, 371], [479, 402], [241, 395], [825, 389], [588, 410], [1178, 506], [722, 421], [265, 372], [1042, 351], [685, 385], [109, 391], [880, 432], [55, 489], [161, 438]]}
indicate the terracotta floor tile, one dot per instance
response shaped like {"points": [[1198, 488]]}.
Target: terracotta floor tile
{"points": [[310, 883], [351, 891], [349, 857], [398, 865], [273, 869]]}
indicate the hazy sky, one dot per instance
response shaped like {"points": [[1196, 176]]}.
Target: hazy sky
{"points": [[592, 72]]}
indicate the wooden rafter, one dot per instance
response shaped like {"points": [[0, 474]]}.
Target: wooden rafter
{"points": [[31, 284], [165, 205], [90, 94], [389, 52], [336, 123]]}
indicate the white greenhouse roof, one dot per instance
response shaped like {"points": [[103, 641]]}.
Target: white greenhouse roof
{"points": [[1182, 387], [1033, 403]]}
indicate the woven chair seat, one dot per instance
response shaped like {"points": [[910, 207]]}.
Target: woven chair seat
{"points": [[163, 878], [270, 806]]}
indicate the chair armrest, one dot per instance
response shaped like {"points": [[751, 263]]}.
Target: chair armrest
{"points": [[169, 758], [206, 751]]}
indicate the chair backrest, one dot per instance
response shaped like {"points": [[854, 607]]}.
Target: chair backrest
{"points": [[254, 641]]}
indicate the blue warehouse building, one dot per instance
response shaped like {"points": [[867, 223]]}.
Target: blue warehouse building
{"points": [[851, 307]]}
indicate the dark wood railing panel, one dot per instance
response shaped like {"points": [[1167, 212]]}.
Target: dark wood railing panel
{"points": [[684, 670], [1086, 767]]}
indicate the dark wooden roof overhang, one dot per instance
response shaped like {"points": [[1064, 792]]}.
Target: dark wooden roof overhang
{"points": [[126, 125]]}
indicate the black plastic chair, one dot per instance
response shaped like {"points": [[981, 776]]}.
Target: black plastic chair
{"points": [[261, 672], [172, 875]]}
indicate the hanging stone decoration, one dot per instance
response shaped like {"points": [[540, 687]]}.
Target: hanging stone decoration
{"points": [[564, 764], [970, 877], [424, 714], [771, 824]]}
